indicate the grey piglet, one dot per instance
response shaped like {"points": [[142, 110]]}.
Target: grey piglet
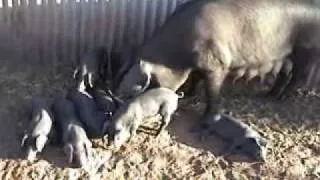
{"points": [[129, 117], [89, 69], [39, 129], [240, 136], [76, 144]]}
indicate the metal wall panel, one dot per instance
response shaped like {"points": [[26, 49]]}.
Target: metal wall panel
{"points": [[62, 30]]}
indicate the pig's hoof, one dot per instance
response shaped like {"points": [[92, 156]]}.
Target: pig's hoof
{"points": [[286, 95], [201, 135], [201, 132], [198, 132], [106, 141], [195, 130], [271, 94], [274, 93]]}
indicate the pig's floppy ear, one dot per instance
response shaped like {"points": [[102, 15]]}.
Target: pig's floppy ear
{"points": [[40, 142], [24, 138], [68, 149], [117, 99], [87, 148], [147, 78], [75, 73], [263, 142]]}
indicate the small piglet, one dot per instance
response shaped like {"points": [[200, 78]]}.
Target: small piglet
{"points": [[128, 118], [77, 146], [88, 113], [39, 129], [89, 68], [240, 135]]}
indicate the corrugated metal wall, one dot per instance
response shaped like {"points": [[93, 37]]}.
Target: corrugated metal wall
{"points": [[61, 30]]}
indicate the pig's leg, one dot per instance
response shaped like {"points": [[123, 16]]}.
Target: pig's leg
{"points": [[81, 85], [203, 134], [239, 74], [41, 141], [214, 80], [166, 117], [283, 79], [230, 148], [87, 148], [90, 79], [24, 139], [75, 73], [292, 84], [79, 79], [280, 85], [166, 111], [133, 130], [296, 69], [68, 149]]}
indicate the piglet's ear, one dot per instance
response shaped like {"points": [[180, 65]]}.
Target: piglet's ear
{"points": [[147, 81], [87, 148], [40, 142], [23, 141], [263, 142], [146, 67], [68, 149], [252, 140]]}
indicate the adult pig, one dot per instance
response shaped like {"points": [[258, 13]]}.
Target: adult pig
{"points": [[217, 37]]}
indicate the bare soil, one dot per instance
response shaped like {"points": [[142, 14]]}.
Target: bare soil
{"points": [[292, 128]]}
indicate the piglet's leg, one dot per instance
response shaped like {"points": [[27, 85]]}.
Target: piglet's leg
{"points": [[166, 117], [68, 149], [230, 148], [133, 131]]}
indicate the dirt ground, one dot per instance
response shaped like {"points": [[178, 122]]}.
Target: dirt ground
{"points": [[292, 128]]}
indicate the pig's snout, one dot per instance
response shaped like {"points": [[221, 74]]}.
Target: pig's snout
{"points": [[80, 160], [120, 138], [260, 156], [30, 154]]}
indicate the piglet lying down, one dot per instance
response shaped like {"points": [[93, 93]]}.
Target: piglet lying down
{"points": [[240, 136], [129, 117]]}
